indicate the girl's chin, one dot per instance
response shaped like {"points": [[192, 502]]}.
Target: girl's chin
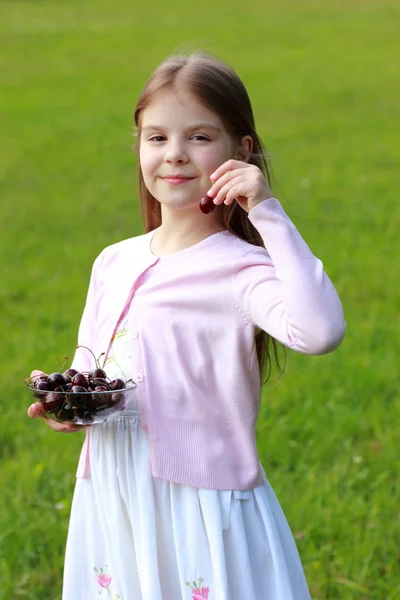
{"points": [[176, 203], [181, 206]]}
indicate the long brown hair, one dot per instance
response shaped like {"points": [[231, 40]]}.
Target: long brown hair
{"points": [[219, 88]]}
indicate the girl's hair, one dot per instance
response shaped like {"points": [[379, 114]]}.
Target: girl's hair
{"points": [[219, 88]]}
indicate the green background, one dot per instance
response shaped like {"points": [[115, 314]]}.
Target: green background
{"points": [[323, 78]]}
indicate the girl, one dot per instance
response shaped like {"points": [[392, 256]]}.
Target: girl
{"points": [[171, 501]]}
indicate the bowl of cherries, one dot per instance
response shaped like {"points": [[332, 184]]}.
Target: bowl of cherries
{"points": [[81, 398]]}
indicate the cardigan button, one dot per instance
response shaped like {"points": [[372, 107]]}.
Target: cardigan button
{"points": [[139, 377]]}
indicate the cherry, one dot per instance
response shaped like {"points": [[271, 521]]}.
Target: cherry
{"points": [[78, 389], [57, 379], [99, 399], [80, 380], [44, 386], [100, 388], [116, 398], [70, 373], [40, 379], [66, 413], [78, 395], [99, 381], [97, 373], [51, 403], [83, 413], [207, 205], [117, 384]]}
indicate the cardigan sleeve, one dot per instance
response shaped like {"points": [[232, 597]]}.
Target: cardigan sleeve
{"points": [[83, 360], [284, 289]]}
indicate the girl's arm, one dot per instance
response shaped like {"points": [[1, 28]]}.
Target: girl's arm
{"points": [[285, 291]]}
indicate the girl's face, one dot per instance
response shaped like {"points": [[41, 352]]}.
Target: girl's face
{"points": [[181, 144]]}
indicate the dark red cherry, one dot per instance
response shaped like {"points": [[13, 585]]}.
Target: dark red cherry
{"points": [[97, 373], [78, 389], [71, 372], [207, 205], [44, 386], [66, 413], [99, 399], [52, 402], [78, 395], [117, 384], [99, 381], [40, 379], [57, 379], [116, 398], [80, 380]]}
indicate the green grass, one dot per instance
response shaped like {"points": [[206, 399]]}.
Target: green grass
{"points": [[323, 77]]}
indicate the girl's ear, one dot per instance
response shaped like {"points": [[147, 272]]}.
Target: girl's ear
{"points": [[245, 148]]}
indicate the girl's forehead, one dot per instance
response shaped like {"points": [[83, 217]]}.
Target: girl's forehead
{"points": [[172, 106]]}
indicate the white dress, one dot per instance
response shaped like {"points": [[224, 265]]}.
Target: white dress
{"points": [[136, 537]]}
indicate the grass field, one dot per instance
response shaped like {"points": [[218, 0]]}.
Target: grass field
{"points": [[323, 77]]}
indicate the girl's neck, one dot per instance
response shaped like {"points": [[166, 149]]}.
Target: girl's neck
{"points": [[182, 229]]}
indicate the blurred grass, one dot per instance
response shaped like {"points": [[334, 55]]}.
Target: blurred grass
{"points": [[323, 77]]}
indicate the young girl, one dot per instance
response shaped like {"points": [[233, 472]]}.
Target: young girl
{"points": [[171, 501]]}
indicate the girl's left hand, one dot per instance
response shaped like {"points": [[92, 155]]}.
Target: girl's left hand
{"points": [[240, 181]]}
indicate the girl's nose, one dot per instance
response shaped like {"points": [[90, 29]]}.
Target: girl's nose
{"points": [[176, 155]]}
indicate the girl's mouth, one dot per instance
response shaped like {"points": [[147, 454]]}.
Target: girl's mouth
{"points": [[177, 179]]}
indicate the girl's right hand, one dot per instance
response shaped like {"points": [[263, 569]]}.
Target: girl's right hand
{"points": [[35, 411]]}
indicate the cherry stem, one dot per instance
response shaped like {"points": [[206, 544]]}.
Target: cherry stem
{"points": [[98, 360], [61, 367], [95, 359]]}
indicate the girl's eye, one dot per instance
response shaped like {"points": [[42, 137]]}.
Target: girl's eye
{"points": [[201, 138], [157, 138]]}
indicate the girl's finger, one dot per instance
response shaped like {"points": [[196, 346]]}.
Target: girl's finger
{"points": [[35, 411], [234, 182], [236, 192], [62, 427], [36, 373], [229, 165], [224, 179]]}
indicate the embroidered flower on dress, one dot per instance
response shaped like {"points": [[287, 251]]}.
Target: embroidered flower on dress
{"points": [[104, 580], [198, 592]]}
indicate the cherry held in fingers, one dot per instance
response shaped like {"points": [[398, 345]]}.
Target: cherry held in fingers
{"points": [[207, 205]]}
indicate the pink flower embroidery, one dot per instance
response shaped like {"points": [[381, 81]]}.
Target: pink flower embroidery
{"points": [[198, 592], [104, 580]]}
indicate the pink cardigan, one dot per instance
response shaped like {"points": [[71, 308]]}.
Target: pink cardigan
{"points": [[192, 326]]}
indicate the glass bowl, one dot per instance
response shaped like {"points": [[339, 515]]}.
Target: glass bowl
{"points": [[83, 408]]}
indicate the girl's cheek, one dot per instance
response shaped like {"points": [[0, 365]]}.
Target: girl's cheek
{"points": [[211, 160], [148, 162]]}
